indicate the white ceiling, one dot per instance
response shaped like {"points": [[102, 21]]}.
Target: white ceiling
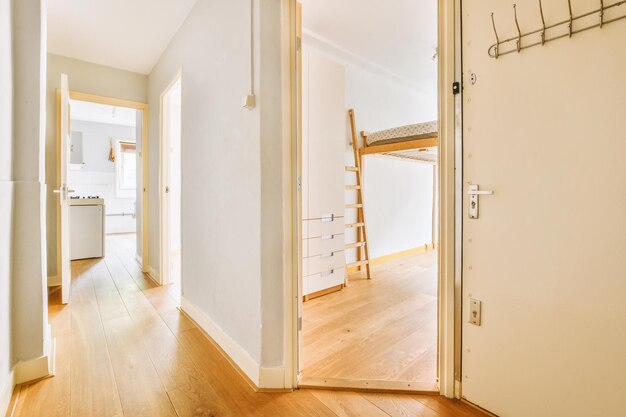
{"points": [[397, 36], [126, 34], [102, 113]]}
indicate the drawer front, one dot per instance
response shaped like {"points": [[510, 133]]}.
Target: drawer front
{"points": [[323, 263], [324, 244], [324, 227], [321, 281]]}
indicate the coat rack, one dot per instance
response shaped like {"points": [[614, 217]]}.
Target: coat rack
{"points": [[506, 46]]}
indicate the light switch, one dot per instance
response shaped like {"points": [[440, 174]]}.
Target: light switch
{"points": [[474, 313], [248, 102]]}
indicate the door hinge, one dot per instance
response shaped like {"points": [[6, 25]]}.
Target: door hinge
{"points": [[299, 323], [299, 184], [456, 87], [298, 43]]}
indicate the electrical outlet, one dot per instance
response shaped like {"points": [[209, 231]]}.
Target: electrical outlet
{"points": [[474, 312]]}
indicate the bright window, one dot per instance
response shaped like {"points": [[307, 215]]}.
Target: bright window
{"points": [[126, 168]]}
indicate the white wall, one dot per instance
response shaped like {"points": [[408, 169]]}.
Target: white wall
{"points": [[398, 197], [98, 175], [6, 202], [225, 222], [88, 78], [24, 335]]}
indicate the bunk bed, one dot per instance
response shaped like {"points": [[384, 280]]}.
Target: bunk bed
{"points": [[416, 142]]}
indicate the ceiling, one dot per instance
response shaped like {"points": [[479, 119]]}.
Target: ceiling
{"points": [[126, 34], [398, 37], [102, 113]]}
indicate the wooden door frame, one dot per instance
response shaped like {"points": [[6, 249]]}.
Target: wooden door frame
{"points": [[118, 102], [447, 194], [164, 261]]}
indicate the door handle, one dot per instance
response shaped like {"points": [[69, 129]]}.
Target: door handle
{"points": [[473, 191]]}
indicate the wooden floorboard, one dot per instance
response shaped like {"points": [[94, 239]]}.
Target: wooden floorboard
{"points": [[383, 329], [125, 350]]}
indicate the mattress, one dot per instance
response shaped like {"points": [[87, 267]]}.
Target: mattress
{"points": [[402, 133], [428, 155]]}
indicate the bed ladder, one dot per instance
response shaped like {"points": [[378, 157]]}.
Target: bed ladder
{"points": [[361, 245]]}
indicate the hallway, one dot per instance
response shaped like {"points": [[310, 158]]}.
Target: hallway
{"points": [[124, 349]]}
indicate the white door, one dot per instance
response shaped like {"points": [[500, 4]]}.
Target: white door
{"points": [[63, 192], [171, 184], [544, 129]]}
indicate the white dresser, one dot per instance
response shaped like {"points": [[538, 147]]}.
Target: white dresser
{"points": [[323, 201]]}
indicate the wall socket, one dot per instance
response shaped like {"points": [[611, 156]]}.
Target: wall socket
{"points": [[474, 312]]}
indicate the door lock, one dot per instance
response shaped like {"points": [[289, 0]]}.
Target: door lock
{"points": [[473, 193]]}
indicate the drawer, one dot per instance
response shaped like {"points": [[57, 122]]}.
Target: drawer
{"points": [[324, 227], [324, 244], [321, 281], [322, 263]]}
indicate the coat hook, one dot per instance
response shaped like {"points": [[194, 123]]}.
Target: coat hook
{"points": [[519, 33], [601, 13], [543, 23], [496, 50], [571, 18]]}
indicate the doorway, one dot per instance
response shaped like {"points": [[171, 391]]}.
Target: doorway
{"points": [[368, 263], [171, 187], [101, 172]]}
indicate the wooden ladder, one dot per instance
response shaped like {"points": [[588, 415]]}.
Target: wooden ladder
{"points": [[361, 245]]}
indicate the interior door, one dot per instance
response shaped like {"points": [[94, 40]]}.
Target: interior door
{"points": [[302, 206], [63, 191], [544, 130]]}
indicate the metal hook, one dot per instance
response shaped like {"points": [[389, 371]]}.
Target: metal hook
{"points": [[496, 50], [519, 33], [601, 13], [571, 18], [543, 23]]}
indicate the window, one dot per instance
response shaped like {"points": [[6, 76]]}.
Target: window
{"points": [[126, 169]]}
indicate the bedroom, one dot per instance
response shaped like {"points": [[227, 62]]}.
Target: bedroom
{"points": [[369, 195]]}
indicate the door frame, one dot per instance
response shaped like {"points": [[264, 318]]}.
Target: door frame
{"points": [[117, 102], [164, 261], [448, 249]]}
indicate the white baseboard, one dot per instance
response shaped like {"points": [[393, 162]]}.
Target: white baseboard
{"points": [[54, 281], [40, 367], [6, 393], [153, 274], [272, 378], [229, 346]]}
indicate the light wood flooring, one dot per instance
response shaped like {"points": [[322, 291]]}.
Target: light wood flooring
{"points": [[383, 329], [124, 349]]}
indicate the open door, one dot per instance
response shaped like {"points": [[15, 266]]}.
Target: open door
{"points": [[300, 362], [63, 228], [544, 130], [171, 185]]}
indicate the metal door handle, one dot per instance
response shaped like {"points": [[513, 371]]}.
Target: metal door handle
{"points": [[474, 192], [480, 192]]}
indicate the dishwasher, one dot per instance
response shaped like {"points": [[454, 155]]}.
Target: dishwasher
{"points": [[87, 216]]}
